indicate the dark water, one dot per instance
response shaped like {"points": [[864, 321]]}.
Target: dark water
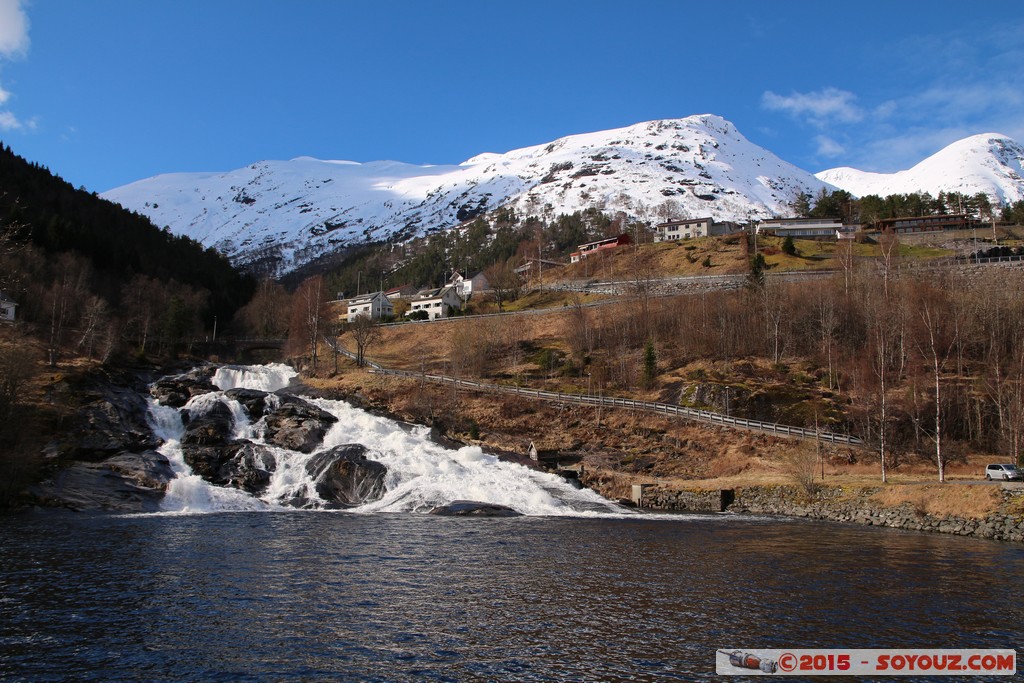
{"points": [[341, 597]]}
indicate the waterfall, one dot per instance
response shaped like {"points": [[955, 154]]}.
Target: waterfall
{"points": [[420, 473], [188, 492], [263, 377]]}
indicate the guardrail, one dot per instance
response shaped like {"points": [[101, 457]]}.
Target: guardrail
{"points": [[697, 415]]}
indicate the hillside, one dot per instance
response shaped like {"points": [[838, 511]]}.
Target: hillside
{"points": [[40, 208]]}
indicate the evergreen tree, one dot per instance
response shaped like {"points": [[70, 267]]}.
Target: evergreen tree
{"points": [[802, 205], [650, 364]]}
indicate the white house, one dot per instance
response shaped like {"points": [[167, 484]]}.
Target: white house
{"points": [[805, 227], [437, 302], [374, 306], [687, 228], [400, 292], [466, 287], [7, 307]]}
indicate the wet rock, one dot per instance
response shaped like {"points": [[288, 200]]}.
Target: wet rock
{"points": [[250, 469], [176, 391], [253, 400], [148, 469], [112, 417], [210, 462], [297, 425], [472, 508], [345, 477], [126, 482], [213, 426]]}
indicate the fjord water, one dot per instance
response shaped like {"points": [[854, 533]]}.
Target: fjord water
{"points": [[314, 596], [225, 586]]}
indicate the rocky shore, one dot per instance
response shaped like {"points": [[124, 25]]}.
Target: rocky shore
{"points": [[837, 504]]}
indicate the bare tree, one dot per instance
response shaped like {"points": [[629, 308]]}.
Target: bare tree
{"points": [[935, 340], [266, 313], [307, 318], [504, 282], [365, 332], [889, 244]]}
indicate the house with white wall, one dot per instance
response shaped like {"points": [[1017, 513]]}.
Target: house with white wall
{"points": [[373, 306], [806, 228], [7, 308], [689, 228], [466, 287], [437, 302]]}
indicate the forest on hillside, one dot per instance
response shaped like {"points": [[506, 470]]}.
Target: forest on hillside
{"points": [[95, 279], [504, 237]]}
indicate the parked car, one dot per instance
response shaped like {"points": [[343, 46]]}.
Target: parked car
{"points": [[1003, 472]]}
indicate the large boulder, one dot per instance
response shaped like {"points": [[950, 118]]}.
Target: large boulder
{"points": [[211, 461], [126, 482], [474, 508], [253, 400], [345, 477], [212, 426], [249, 469], [297, 425], [176, 391], [112, 416]]}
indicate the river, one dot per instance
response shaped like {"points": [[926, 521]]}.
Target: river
{"points": [[244, 590]]}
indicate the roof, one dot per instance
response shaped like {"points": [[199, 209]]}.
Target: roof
{"points": [[684, 221], [364, 298], [436, 293], [6, 298]]}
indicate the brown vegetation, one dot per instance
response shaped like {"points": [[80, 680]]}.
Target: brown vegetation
{"points": [[924, 365]]}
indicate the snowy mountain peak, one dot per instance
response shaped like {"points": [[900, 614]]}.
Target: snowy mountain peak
{"points": [[293, 212], [991, 163]]}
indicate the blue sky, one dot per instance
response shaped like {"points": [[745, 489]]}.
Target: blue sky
{"points": [[105, 92]]}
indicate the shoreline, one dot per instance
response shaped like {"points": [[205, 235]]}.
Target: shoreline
{"points": [[844, 505]]}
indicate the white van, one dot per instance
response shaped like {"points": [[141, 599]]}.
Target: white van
{"points": [[1003, 472]]}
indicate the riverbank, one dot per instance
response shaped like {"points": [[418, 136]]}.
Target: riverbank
{"points": [[900, 506], [686, 467]]}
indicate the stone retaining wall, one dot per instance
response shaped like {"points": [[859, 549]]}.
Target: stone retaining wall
{"points": [[834, 504], [686, 500]]}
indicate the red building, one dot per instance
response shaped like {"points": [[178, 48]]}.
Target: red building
{"points": [[590, 248]]}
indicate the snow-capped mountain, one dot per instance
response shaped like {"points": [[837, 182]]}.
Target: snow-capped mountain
{"points": [[295, 211], [989, 163]]}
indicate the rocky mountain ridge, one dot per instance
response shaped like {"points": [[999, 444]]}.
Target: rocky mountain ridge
{"points": [[295, 211], [290, 213]]}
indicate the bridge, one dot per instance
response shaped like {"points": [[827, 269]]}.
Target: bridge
{"points": [[237, 346]]}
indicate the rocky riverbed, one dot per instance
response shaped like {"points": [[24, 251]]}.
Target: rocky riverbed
{"points": [[109, 460]]}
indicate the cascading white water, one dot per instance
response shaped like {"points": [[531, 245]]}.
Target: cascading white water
{"points": [[263, 377], [188, 492], [421, 474]]}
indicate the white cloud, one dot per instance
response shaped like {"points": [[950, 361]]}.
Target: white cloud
{"points": [[829, 148], [13, 29], [8, 121], [13, 44], [819, 108]]}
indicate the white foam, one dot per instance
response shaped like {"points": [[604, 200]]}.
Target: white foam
{"points": [[263, 377], [421, 474]]}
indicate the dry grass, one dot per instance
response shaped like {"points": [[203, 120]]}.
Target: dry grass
{"points": [[940, 500]]}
